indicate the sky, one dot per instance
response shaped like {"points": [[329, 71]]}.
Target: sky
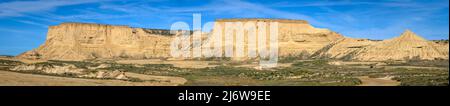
{"points": [[24, 23]]}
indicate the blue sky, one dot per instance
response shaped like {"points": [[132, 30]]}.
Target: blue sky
{"points": [[23, 24]]}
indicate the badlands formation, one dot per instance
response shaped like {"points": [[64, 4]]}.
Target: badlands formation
{"points": [[81, 41], [407, 46]]}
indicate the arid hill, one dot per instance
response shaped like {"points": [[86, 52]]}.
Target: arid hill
{"points": [[407, 46], [343, 48]]}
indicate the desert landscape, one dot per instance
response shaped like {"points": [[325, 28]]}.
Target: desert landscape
{"points": [[87, 54]]}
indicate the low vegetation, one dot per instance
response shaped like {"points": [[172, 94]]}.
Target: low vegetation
{"points": [[416, 77], [9, 62], [301, 73]]}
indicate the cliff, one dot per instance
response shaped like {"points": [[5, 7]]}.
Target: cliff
{"points": [[294, 36], [79, 41]]}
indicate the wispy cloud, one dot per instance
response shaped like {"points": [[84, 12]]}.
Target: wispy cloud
{"points": [[13, 31], [380, 3], [18, 8], [363, 20], [32, 23]]}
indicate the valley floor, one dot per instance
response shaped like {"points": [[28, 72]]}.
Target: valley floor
{"points": [[230, 73]]}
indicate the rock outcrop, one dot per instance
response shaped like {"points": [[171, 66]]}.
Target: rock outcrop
{"points": [[49, 69], [105, 74], [69, 69]]}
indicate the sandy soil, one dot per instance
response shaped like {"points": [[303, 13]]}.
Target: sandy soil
{"points": [[21, 79], [366, 81]]}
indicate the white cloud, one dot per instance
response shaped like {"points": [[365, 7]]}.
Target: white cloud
{"points": [[136, 13], [17, 8], [393, 3], [32, 23]]}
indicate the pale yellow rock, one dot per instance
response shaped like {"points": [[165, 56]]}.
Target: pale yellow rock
{"points": [[294, 36], [343, 48], [406, 46], [80, 41]]}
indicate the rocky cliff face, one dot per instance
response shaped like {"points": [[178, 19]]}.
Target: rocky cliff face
{"points": [[294, 36], [79, 41]]}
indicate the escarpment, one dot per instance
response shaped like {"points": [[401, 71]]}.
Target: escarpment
{"points": [[81, 41]]}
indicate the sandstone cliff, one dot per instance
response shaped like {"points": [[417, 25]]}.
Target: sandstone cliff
{"points": [[294, 36], [79, 41]]}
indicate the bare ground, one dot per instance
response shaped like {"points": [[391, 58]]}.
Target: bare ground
{"points": [[21, 79], [366, 81]]}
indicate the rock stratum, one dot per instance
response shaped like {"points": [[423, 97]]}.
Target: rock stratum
{"points": [[81, 41]]}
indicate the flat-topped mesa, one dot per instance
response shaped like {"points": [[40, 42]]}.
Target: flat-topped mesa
{"points": [[262, 20], [79, 41], [148, 30], [294, 36]]}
